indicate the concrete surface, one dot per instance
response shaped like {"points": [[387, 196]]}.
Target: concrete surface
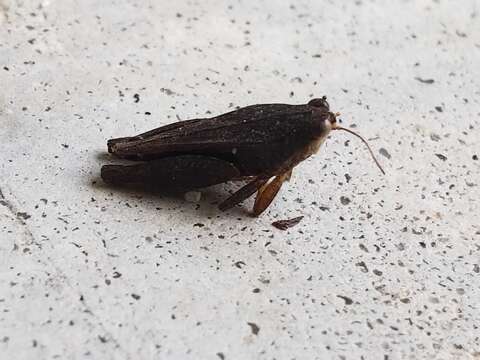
{"points": [[381, 267]]}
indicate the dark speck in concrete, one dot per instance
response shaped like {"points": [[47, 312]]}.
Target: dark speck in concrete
{"points": [[425, 81], [385, 153], [254, 327], [362, 266], [240, 264], [102, 339], [347, 300], [23, 215], [167, 91]]}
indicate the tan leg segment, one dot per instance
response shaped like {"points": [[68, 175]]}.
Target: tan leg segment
{"points": [[243, 194], [268, 192], [262, 188]]}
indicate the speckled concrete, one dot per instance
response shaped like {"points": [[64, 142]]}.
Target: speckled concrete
{"points": [[381, 267]]}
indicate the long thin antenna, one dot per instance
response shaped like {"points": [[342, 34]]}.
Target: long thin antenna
{"points": [[364, 141]]}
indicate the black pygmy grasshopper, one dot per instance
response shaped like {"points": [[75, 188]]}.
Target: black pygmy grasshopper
{"points": [[261, 143]]}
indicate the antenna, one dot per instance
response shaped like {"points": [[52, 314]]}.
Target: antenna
{"points": [[336, 127]]}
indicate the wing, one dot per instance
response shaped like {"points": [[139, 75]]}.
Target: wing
{"points": [[256, 124]]}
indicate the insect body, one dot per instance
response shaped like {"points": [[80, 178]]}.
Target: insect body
{"points": [[259, 143]]}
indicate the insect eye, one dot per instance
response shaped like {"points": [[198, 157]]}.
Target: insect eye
{"points": [[320, 103]]}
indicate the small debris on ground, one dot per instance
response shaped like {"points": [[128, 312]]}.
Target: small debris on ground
{"points": [[425, 81], [286, 224]]}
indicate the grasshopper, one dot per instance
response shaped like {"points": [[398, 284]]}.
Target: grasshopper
{"points": [[258, 143]]}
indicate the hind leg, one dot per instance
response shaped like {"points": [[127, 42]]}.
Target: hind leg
{"points": [[244, 193], [181, 172], [267, 192], [265, 188]]}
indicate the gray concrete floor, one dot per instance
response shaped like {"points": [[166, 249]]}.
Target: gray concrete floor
{"points": [[380, 267]]}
